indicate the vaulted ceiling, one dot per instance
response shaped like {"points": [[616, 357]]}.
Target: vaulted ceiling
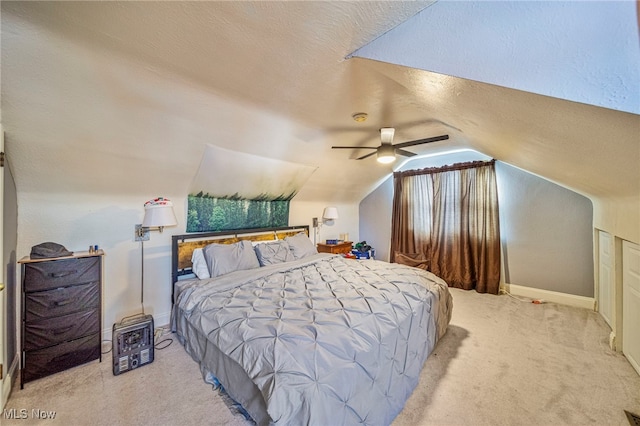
{"points": [[124, 97]]}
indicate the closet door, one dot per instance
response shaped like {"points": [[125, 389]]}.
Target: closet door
{"points": [[631, 303], [605, 277]]}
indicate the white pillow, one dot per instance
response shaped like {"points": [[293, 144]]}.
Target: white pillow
{"points": [[199, 266]]}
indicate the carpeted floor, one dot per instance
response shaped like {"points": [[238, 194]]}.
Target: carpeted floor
{"points": [[502, 362]]}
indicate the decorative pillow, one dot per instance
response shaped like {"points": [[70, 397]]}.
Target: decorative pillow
{"points": [[225, 258], [199, 264], [301, 246], [273, 252]]}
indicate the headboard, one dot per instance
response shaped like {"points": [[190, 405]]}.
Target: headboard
{"points": [[182, 246]]}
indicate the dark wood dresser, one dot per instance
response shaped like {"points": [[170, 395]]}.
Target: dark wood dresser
{"points": [[61, 313]]}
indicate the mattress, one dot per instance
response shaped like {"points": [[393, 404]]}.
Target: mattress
{"points": [[319, 340]]}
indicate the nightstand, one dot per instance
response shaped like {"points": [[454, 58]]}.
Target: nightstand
{"points": [[340, 248]]}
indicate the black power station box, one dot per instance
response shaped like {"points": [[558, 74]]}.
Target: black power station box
{"points": [[132, 343]]}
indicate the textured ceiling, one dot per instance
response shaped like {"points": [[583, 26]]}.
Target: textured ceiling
{"points": [[123, 97], [583, 51]]}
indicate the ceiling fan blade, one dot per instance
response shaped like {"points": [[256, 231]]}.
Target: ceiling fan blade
{"points": [[421, 141], [354, 147], [367, 155], [405, 153]]}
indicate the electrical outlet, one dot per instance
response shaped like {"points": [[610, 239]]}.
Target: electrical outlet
{"points": [[315, 222]]}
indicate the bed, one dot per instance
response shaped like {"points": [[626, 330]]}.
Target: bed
{"points": [[304, 337]]}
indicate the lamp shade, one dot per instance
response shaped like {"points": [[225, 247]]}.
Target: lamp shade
{"points": [[159, 212], [330, 213]]}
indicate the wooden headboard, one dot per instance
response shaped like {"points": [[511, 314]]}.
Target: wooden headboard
{"points": [[182, 246]]}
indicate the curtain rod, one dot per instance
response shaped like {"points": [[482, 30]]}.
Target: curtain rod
{"points": [[448, 168]]}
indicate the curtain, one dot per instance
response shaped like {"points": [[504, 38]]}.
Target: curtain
{"points": [[445, 220]]}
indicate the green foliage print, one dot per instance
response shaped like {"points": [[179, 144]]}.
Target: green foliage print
{"points": [[207, 213]]}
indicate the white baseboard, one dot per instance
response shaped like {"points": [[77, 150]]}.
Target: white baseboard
{"points": [[551, 296], [160, 320]]}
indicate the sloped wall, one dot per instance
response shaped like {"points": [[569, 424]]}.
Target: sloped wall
{"points": [[546, 230]]}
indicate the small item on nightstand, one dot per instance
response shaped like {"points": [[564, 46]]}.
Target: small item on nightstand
{"points": [[91, 249], [332, 242]]}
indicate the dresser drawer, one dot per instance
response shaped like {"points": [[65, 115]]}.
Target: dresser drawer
{"points": [[49, 332], [61, 301], [57, 358], [61, 273]]}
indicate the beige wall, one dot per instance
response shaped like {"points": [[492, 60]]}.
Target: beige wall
{"points": [[302, 212]]}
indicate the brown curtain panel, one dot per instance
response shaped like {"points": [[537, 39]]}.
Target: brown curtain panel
{"points": [[446, 221]]}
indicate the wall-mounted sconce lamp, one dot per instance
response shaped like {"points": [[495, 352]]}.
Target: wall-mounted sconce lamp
{"points": [[328, 216], [330, 213], [158, 213]]}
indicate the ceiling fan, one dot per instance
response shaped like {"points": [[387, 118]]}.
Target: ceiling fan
{"points": [[387, 151]]}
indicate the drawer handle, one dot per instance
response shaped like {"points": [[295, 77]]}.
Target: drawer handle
{"points": [[62, 330], [59, 303], [62, 274]]}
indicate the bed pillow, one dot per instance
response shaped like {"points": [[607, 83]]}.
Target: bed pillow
{"points": [[225, 258], [199, 264], [273, 252], [301, 246]]}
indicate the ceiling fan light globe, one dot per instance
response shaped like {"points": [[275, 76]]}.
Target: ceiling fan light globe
{"points": [[386, 159], [386, 154]]}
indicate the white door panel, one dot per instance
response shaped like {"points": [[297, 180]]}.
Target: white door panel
{"points": [[605, 277], [631, 303]]}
